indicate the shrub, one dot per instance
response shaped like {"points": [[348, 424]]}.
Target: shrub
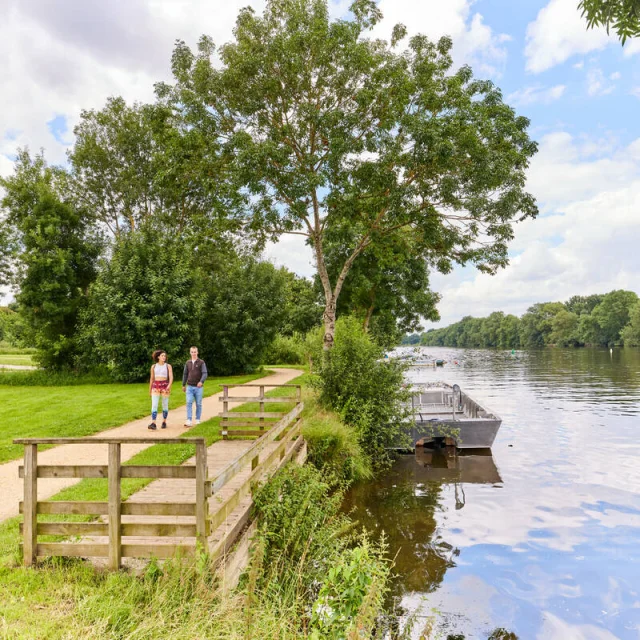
{"points": [[368, 392], [334, 448], [286, 350]]}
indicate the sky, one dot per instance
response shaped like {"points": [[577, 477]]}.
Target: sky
{"points": [[580, 89]]}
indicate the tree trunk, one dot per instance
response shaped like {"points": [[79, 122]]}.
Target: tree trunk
{"points": [[367, 318], [329, 319]]}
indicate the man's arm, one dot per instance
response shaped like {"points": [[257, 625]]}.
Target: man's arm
{"points": [[205, 375], [185, 374]]}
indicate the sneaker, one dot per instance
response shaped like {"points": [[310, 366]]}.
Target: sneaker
{"points": [[187, 423], [197, 422], [152, 426], [164, 424]]}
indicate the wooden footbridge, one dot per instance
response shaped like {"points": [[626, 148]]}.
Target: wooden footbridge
{"points": [[204, 503]]}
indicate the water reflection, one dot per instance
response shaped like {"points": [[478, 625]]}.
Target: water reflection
{"points": [[543, 537]]}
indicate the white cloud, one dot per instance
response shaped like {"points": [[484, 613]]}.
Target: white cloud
{"points": [[597, 84], [616, 75], [474, 41], [585, 240], [291, 252], [559, 32], [537, 93]]}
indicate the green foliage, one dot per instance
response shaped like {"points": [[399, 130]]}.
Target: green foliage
{"points": [[352, 585], [244, 305], [10, 328], [368, 392], [302, 529], [333, 447], [146, 297], [286, 350], [303, 308], [612, 315], [57, 265], [336, 135], [623, 16], [599, 319], [631, 333]]}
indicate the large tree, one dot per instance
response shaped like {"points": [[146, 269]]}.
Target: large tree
{"points": [[333, 130]]}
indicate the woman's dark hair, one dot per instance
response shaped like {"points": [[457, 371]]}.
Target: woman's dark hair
{"points": [[156, 354]]}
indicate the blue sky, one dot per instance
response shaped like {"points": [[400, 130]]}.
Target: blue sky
{"points": [[580, 89]]}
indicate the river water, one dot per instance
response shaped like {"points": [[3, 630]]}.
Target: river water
{"points": [[542, 537]]}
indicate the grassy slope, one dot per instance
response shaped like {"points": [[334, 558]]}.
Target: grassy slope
{"points": [[66, 598], [80, 410]]}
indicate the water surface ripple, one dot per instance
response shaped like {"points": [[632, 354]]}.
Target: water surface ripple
{"points": [[542, 538]]}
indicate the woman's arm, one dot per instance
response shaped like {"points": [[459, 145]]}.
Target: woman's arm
{"points": [[152, 378], [170, 375]]}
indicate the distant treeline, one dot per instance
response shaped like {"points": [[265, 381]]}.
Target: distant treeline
{"points": [[600, 319]]}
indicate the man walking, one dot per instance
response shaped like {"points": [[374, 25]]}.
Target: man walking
{"points": [[193, 377]]}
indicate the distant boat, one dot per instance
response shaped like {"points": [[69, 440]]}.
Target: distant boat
{"points": [[445, 411]]}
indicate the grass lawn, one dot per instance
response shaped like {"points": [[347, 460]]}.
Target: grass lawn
{"points": [[80, 410], [68, 598], [17, 358]]}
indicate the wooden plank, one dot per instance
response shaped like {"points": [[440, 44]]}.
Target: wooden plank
{"points": [[158, 509], [232, 502], [73, 550], [235, 466], [157, 550], [202, 505], [247, 423], [282, 400], [127, 509], [92, 440], [159, 471], [115, 505], [30, 537], [253, 414], [69, 471], [236, 432], [158, 529], [128, 471], [268, 386], [72, 529]]}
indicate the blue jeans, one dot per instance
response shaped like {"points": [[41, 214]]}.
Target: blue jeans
{"points": [[194, 394]]}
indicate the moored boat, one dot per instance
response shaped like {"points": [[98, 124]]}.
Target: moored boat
{"points": [[441, 410]]}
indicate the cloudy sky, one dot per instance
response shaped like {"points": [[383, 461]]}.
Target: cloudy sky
{"points": [[580, 89]]}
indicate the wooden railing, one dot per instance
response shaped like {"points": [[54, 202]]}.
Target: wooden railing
{"points": [[114, 471], [256, 419], [263, 458]]}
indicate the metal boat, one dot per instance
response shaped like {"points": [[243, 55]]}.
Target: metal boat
{"points": [[443, 411]]}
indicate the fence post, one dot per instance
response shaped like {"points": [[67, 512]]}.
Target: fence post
{"points": [[30, 504], [202, 504], [261, 407], [225, 409], [115, 508], [299, 394]]}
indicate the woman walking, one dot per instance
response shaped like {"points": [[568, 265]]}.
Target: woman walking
{"points": [[160, 387]]}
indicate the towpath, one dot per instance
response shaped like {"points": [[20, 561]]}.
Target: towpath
{"points": [[79, 454]]}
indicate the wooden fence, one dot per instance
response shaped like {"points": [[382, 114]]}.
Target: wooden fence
{"points": [[114, 471], [258, 420], [263, 463]]}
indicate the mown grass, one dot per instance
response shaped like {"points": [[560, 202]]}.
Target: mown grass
{"points": [[68, 598], [22, 359], [80, 410]]}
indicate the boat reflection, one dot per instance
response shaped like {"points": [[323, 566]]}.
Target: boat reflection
{"points": [[445, 465]]}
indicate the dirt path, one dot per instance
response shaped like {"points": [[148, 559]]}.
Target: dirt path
{"points": [[18, 367], [12, 486]]}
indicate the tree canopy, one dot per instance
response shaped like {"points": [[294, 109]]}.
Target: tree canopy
{"points": [[331, 131]]}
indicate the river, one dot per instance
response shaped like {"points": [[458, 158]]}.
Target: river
{"points": [[543, 537]]}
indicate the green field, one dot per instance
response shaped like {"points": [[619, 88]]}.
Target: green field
{"points": [[80, 410], [68, 598], [17, 358]]}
